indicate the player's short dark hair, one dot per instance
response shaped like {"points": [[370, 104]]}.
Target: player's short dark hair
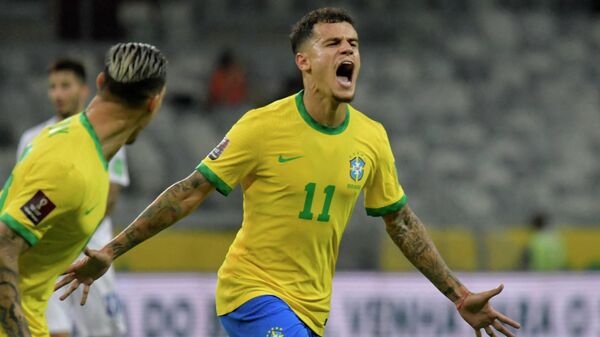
{"points": [[67, 64], [134, 72], [303, 29], [539, 221]]}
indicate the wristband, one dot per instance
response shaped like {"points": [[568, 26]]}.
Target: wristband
{"points": [[461, 301]]}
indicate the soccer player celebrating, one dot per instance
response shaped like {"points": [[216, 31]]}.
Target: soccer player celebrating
{"points": [[101, 316], [301, 162], [57, 193]]}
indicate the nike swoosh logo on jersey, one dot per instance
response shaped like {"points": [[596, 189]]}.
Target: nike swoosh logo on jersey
{"points": [[281, 159]]}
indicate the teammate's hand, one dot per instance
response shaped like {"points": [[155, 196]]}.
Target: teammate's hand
{"points": [[476, 310], [84, 271]]}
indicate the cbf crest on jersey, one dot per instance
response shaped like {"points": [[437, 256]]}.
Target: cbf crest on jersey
{"points": [[357, 168]]}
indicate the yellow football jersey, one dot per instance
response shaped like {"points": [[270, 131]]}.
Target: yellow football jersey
{"points": [[55, 198], [300, 182]]}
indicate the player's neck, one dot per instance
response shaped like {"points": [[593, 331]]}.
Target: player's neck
{"points": [[113, 124], [58, 117], [325, 110]]}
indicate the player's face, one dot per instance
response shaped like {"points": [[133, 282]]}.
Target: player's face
{"points": [[334, 59], [66, 92]]}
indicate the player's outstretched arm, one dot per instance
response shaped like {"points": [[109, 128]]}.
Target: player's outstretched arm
{"points": [[409, 234], [12, 318], [174, 203]]}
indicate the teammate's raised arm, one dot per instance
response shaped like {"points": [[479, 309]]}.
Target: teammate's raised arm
{"points": [[176, 202]]}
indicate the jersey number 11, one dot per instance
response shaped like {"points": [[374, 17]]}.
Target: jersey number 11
{"points": [[306, 213]]}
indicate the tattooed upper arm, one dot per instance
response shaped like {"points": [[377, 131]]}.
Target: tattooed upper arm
{"points": [[410, 235], [10, 241], [183, 196], [197, 180], [407, 231], [397, 223], [393, 218], [174, 203], [11, 247], [195, 186]]}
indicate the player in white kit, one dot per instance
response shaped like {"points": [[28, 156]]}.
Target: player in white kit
{"points": [[102, 315]]}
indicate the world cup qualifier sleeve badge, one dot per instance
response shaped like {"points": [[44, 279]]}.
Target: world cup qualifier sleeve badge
{"points": [[38, 207], [357, 168], [218, 150]]}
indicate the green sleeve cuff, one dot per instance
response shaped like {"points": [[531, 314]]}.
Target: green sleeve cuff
{"points": [[214, 179], [395, 207], [16, 226]]}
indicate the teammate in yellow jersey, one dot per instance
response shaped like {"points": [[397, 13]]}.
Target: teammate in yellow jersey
{"points": [[101, 316], [57, 193], [301, 162]]}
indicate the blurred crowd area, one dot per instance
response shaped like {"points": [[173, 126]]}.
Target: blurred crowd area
{"points": [[491, 106]]}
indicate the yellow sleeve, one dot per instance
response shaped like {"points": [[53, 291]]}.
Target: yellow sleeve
{"points": [[40, 196], [383, 193], [236, 156]]}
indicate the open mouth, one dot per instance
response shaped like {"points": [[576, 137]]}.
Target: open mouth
{"points": [[344, 73]]}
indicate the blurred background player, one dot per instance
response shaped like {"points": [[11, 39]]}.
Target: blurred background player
{"points": [[57, 193], [545, 250], [227, 85], [302, 162], [101, 317]]}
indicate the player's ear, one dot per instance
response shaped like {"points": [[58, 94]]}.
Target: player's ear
{"points": [[156, 100], [100, 81], [302, 61]]}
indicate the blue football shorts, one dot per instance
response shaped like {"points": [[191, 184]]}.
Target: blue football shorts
{"points": [[265, 316]]}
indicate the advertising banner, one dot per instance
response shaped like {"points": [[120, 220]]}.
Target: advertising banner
{"points": [[376, 305]]}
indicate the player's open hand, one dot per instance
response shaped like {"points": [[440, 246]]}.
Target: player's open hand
{"points": [[476, 310], [84, 271]]}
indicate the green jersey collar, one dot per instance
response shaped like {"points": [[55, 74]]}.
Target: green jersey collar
{"points": [[88, 126], [314, 124]]}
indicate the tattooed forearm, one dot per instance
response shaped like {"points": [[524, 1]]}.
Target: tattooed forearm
{"points": [[12, 318], [173, 204], [409, 234], [120, 245]]}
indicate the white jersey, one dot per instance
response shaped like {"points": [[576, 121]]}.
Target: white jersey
{"points": [[117, 170], [30, 134], [101, 315]]}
